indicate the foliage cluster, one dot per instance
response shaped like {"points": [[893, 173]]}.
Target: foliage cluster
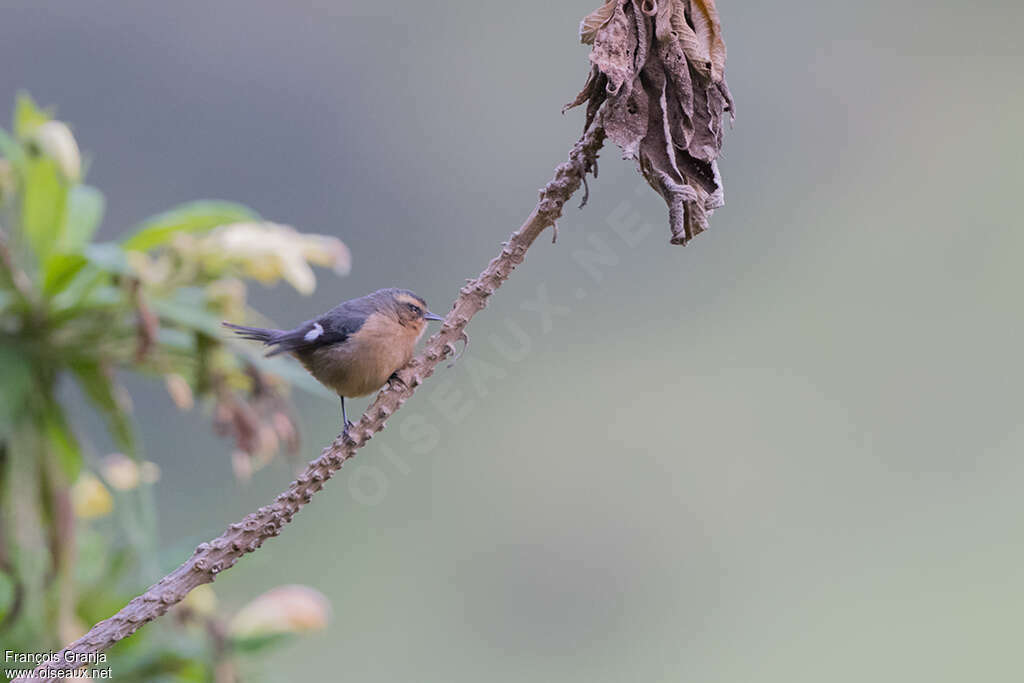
{"points": [[76, 313]]}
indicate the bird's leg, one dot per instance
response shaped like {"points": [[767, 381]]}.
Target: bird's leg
{"points": [[344, 417]]}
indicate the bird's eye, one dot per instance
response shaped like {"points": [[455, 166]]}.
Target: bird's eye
{"points": [[414, 308]]}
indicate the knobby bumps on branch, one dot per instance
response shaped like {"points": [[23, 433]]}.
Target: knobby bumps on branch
{"points": [[658, 75], [657, 89]]}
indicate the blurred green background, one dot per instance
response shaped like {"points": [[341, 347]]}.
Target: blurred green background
{"points": [[788, 452]]}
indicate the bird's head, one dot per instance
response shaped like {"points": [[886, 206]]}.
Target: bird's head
{"points": [[408, 308]]}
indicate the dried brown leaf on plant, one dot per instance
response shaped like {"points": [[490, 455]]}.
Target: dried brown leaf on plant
{"points": [[259, 420], [658, 78]]}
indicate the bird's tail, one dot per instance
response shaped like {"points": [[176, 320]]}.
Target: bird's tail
{"points": [[259, 334]]}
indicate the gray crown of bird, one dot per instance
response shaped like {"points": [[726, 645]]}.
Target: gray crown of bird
{"points": [[354, 348]]}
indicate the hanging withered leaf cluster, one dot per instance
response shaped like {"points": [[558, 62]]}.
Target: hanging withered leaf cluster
{"points": [[658, 83]]}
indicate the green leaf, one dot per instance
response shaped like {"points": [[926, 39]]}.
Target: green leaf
{"points": [[28, 116], [256, 643], [15, 387], [25, 522], [85, 211], [8, 591], [60, 270], [9, 148], [98, 385], [44, 200], [182, 662], [91, 564], [109, 257], [62, 441], [178, 340], [104, 297], [189, 315], [14, 153], [193, 217], [78, 291]]}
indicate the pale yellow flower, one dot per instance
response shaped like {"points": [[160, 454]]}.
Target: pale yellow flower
{"points": [[55, 141], [285, 609], [90, 498], [149, 472], [201, 600], [120, 472], [270, 251], [328, 252], [124, 474]]}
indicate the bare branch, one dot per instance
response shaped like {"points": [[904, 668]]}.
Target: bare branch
{"points": [[246, 536]]}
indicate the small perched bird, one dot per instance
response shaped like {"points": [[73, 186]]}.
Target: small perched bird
{"points": [[354, 348]]}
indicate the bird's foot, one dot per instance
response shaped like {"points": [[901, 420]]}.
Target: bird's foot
{"points": [[396, 382], [348, 433]]}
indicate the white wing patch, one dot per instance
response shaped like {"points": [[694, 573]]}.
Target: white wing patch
{"points": [[314, 333]]}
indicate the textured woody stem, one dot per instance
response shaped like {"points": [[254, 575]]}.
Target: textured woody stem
{"points": [[246, 536]]}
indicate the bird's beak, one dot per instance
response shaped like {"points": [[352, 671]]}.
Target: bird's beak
{"points": [[431, 316]]}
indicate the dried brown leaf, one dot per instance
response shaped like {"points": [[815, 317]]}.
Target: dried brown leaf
{"points": [[696, 220], [680, 84], [587, 93], [643, 38], [625, 120], [698, 57], [595, 21], [614, 46], [708, 28], [663, 19], [708, 110], [658, 80]]}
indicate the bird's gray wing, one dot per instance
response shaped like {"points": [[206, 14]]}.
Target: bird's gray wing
{"points": [[333, 327]]}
